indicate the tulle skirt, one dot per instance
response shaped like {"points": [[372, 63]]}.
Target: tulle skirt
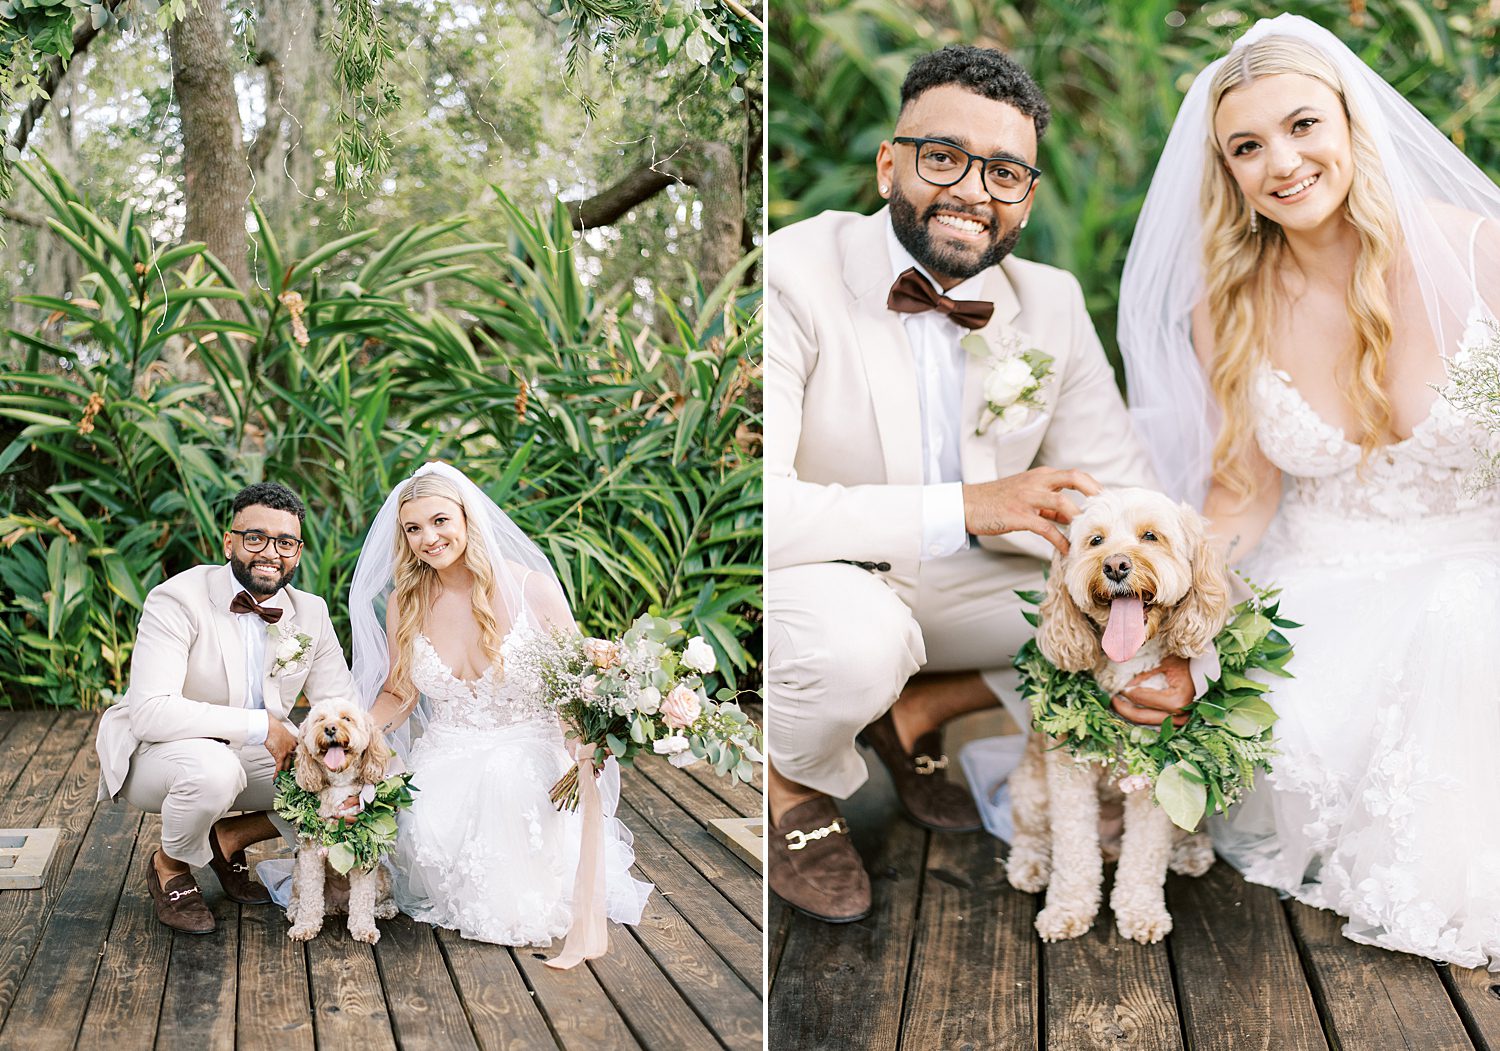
{"points": [[1380, 805], [483, 851]]}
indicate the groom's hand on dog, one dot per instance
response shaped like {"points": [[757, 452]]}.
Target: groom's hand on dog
{"points": [[1032, 501], [1150, 706], [281, 743]]}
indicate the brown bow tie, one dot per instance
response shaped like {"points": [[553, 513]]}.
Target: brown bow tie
{"points": [[243, 603], [911, 294]]}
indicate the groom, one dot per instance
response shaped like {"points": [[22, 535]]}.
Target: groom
{"points": [[910, 491], [221, 655]]}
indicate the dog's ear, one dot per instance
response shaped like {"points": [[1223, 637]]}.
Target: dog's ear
{"points": [[1066, 637], [311, 774], [372, 765], [1191, 626]]}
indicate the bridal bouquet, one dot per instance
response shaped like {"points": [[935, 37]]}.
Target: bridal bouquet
{"points": [[1204, 765], [1474, 389], [623, 696], [364, 841]]}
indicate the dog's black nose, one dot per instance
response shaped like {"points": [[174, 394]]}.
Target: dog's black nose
{"points": [[1117, 567], [330, 732]]}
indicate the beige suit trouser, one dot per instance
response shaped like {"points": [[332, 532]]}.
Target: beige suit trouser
{"points": [[193, 783], [842, 641]]}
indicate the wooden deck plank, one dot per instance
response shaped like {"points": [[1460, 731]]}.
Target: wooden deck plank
{"points": [[29, 795], [198, 1005], [426, 1012], [1371, 997], [26, 731], [67, 803], [778, 926], [1240, 983], [1476, 995], [846, 988], [125, 1004], [742, 799], [49, 1006], [656, 1012], [349, 1012], [737, 881], [274, 1011], [729, 1007], [730, 934], [971, 923], [500, 1006], [579, 1012], [1105, 991]]}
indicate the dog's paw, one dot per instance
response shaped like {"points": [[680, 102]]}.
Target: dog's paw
{"points": [[302, 932], [367, 933], [1058, 923], [1028, 872], [386, 910], [1146, 926], [1193, 856]]}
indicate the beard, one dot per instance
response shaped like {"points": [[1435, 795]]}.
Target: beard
{"points": [[259, 587], [942, 261]]}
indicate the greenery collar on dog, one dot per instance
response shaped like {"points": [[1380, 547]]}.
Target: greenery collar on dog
{"points": [[363, 843], [1210, 761]]}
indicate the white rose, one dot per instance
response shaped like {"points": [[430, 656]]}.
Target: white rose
{"points": [[1014, 417], [670, 745], [288, 649], [590, 685], [1006, 381], [648, 701], [699, 655]]}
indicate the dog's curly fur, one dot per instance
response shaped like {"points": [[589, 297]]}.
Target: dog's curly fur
{"points": [[1184, 589], [317, 889]]}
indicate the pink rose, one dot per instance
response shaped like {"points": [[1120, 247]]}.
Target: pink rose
{"points": [[601, 653], [681, 708]]}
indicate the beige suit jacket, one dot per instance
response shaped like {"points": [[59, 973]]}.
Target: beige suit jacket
{"points": [[843, 454], [187, 674]]}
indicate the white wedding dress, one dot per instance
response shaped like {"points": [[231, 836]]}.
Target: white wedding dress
{"points": [[1379, 806], [482, 850]]}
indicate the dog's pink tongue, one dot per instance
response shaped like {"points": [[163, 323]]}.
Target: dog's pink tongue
{"points": [[334, 757], [1126, 631]]}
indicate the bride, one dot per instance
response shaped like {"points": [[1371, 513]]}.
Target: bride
{"points": [[445, 584], [1286, 346]]}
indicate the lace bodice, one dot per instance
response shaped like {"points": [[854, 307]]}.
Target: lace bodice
{"points": [[1409, 480], [486, 703]]}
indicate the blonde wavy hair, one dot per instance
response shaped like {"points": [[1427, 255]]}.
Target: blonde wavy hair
{"points": [[416, 584], [1242, 266]]}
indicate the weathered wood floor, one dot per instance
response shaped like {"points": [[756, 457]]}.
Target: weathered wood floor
{"points": [[83, 962], [949, 960]]}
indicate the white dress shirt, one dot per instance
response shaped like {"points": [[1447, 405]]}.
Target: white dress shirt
{"points": [[934, 340], [253, 635]]}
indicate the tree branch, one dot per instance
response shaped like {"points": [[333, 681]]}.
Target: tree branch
{"points": [[606, 206], [83, 36], [25, 218]]}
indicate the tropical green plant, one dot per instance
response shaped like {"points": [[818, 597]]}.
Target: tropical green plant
{"points": [[624, 448]]}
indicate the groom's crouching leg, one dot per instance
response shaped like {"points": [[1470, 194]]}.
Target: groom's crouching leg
{"points": [[840, 647], [191, 784]]}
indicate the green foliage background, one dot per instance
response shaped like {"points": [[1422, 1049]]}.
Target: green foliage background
{"points": [[1114, 73], [626, 447]]}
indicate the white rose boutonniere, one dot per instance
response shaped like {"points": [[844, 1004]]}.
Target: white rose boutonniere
{"points": [[291, 647], [1012, 383]]}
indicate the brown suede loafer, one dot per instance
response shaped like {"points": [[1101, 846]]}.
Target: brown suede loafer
{"points": [[234, 875], [179, 904], [921, 779], [814, 867]]}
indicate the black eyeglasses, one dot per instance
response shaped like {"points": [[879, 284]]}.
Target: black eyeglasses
{"points": [[254, 541], [943, 163]]}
